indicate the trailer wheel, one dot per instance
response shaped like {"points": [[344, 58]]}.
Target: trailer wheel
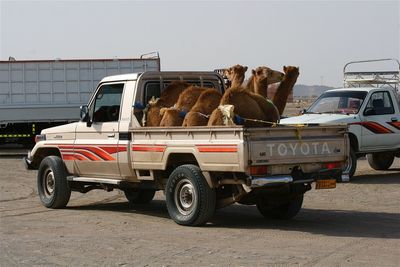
{"points": [[283, 212], [380, 161], [190, 201], [139, 196], [351, 167], [53, 188]]}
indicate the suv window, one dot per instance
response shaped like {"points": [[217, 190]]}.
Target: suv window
{"points": [[107, 103], [380, 103]]}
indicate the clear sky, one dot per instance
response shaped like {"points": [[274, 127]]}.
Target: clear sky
{"points": [[318, 36]]}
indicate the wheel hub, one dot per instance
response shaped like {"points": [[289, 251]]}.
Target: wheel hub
{"points": [[185, 197], [49, 183]]}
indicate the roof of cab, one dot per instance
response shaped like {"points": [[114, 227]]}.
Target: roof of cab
{"points": [[365, 89], [121, 77]]}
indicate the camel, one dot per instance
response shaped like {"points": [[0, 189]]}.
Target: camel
{"points": [[261, 78], [235, 75], [285, 87], [208, 101], [187, 99], [167, 99], [254, 109]]}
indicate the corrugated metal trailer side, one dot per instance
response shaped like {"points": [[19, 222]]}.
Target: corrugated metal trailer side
{"points": [[47, 91]]}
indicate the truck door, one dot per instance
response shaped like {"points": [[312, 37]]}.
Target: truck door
{"points": [[379, 127], [96, 144]]}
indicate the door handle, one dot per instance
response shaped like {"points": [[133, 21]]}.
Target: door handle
{"points": [[111, 135], [394, 119]]}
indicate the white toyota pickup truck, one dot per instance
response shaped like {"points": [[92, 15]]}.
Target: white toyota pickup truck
{"points": [[198, 168], [372, 114]]}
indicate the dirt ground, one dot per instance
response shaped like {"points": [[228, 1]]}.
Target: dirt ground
{"points": [[356, 224]]}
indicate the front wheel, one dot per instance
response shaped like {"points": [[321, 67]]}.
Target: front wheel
{"points": [[53, 187], [380, 161], [190, 201], [351, 166], [283, 211]]}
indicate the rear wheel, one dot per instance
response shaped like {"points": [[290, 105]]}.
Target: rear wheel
{"points": [[139, 196], [190, 201], [283, 211], [53, 188], [380, 161]]}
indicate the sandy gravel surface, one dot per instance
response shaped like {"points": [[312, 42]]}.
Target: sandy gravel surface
{"points": [[356, 224]]}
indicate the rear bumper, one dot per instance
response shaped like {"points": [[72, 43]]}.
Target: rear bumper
{"points": [[298, 178]]}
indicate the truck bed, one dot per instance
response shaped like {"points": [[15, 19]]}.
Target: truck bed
{"points": [[220, 148]]}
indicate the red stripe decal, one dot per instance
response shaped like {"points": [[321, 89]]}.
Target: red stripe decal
{"points": [[217, 148], [113, 149], [67, 156], [147, 148], [374, 127], [99, 152], [87, 154], [395, 124], [80, 157]]}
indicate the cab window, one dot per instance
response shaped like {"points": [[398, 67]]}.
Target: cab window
{"points": [[107, 103], [380, 103]]}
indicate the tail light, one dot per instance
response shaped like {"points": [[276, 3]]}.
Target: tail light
{"points": [[258, 170], [333, 165]]}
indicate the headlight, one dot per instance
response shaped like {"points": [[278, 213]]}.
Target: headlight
{"points": [[40, 137]]}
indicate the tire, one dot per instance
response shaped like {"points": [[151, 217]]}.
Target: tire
{"points": [[380, 161], [53, 188], [190, 201], [284, 211], [139, 196], [351, 167]]}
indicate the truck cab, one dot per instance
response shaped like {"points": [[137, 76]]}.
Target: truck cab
{"points": [[372, 114]]}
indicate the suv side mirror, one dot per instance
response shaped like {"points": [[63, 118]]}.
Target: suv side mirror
{"points": [[369, 111], [84, 114]]}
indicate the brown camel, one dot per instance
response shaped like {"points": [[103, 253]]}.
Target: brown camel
{"points": [[250, 107], [208, 101], [260, 79], [235, 75], [167, 99], [173, 116], [285, 87]]}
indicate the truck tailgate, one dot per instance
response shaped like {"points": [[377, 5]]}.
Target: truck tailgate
{"points": [[292, 145]]}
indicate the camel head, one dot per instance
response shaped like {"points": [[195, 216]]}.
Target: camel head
{"points": [[264, 75], [291, 71], [235, 74]]}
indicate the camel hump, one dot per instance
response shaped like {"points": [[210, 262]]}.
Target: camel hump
{"points": [[208, 100], [171, 93], [233, 92], [187, 99]]}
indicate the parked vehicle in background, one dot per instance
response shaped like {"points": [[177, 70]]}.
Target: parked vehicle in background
{"points": [[37, 94], [199, 168], [369, 104]]}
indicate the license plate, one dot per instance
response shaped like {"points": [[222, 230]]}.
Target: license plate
{"points": [[326, 184]]}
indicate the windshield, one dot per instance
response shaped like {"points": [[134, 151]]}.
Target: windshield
{"points": [[342, 102]]}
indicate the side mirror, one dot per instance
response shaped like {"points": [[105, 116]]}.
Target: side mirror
{"points": [[84, 114], [369, 111], [303, 111]]}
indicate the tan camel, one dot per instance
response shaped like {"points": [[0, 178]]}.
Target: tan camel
{"points": [[208, 101], [260, 79], [187, 99], [167, 99], [235, 75], [255, 110], [285, 87]]}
